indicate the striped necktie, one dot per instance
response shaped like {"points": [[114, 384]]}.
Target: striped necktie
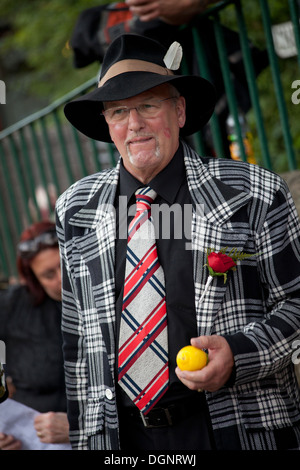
{"points": [[143, 344]]}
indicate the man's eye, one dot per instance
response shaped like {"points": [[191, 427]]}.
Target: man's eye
{"points": [[119, 112], [147, 106]]}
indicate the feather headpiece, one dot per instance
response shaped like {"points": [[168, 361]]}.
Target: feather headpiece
{"points": [[173, 56]]}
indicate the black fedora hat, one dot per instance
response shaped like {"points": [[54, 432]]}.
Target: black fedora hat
{"points": [[132, 65]]}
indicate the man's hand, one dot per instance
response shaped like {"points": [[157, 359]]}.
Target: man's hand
{"points": [[219, 367], [171, 12], [8, 442], [52, 427]]}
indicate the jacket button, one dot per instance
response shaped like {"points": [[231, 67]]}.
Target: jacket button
{"points": [[108, 393]]}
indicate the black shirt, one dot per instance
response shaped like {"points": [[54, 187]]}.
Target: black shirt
{"points": [[173, 239]]}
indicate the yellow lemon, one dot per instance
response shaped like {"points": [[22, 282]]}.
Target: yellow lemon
{"points": [[191, 358]]}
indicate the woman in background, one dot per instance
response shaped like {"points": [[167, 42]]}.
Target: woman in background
{"points": [[30, 326]]}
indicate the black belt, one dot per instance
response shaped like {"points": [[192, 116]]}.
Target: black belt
{"points": [[159, 417]]}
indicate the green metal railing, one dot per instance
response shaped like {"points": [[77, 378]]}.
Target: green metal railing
{"points": [[42, 155]]}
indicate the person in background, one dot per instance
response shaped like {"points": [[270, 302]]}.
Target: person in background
{"points": [[247, 319], [170, 12], [30, 326]]}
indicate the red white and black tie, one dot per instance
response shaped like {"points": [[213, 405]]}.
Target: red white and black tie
{"points": [[143, 344]]}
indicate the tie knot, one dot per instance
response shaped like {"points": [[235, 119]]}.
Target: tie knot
{"points": [[144, 198]]}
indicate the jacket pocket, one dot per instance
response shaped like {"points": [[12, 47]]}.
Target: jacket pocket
{"points": [[94, 416], [268, 409]]}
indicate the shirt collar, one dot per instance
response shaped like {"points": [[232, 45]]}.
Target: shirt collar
{"points": [[166, 183]]}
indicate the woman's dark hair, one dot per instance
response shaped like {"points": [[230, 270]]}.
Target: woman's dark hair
{"points": [[24, 261]]}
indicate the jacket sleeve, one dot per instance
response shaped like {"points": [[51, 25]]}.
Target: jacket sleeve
{"points": [[73, 343], [267, 346]]}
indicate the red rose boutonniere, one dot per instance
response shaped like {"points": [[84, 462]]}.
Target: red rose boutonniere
{"points": [[219, 264]]}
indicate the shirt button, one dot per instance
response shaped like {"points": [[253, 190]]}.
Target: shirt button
{"points": [[108, 393]]}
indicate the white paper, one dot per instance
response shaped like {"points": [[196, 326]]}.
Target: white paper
{"points": [[17, 419]]}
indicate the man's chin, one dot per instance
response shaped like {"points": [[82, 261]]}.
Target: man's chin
{"points": [[143, 160]]}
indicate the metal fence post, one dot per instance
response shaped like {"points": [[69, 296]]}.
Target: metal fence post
{"points": [[277, 84], [251, 80], [232, 101]]}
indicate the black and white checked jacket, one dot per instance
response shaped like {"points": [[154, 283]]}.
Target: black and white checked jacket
{"points": [[257, 309]]}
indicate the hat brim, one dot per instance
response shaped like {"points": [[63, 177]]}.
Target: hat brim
{"points": [[84, 113]]}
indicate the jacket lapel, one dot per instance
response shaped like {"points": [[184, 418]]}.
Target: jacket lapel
{"points": [[214, 203]]}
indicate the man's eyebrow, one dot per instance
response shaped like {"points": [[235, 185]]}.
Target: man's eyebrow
{"points": [[114, 104]]}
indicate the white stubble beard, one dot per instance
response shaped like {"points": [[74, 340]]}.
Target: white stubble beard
{"points": [[157, 150]]}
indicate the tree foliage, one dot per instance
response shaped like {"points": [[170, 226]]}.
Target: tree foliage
{"points": [[40, 34]]}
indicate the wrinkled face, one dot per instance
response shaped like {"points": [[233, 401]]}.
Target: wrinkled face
{"points": [[46, 267], [148, 143]]}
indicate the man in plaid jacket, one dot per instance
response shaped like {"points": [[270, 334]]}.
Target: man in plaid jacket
{"points": [[249, 322]]}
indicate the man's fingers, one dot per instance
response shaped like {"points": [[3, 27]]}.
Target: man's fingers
{"points": [[207, 342]]}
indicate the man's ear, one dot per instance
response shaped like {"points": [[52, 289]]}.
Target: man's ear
{"points": [[180, 107]]}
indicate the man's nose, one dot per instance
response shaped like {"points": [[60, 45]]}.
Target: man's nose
{"points": [[135, 120]]}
